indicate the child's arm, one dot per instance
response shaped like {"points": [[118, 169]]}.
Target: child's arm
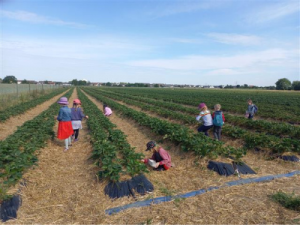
{"points": [[199, 117], [252, 110], [59, 117], [81, 114]]}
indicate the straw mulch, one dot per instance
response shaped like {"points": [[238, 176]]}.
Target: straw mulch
{"points": [[10, 126], [247, 204], [64, 189]]}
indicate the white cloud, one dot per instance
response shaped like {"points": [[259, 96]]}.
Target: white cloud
{"points": [[186, 6], [198, 62], [186, 40], [25, 16], [96, 47], [33, 67], [235, 39], [222, 72], [277, 11], [215, 62]]}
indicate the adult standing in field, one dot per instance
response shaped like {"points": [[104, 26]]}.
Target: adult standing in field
{"points": [[251, 110], [206, 118], [160, 159], [65, 129], [76, 117]]}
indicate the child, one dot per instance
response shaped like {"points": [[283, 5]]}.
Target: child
{"points": [[107, 110], [161, 156], [76, 117], [250, 110], [218, 121], [206, 117], [65, 129]]}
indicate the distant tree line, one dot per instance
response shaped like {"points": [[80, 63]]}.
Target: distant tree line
{"points": [[281, 84], [285, 84], [137, 85], [76, 82]]}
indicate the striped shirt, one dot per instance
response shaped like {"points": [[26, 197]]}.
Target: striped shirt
{"points": [[206, 117]]}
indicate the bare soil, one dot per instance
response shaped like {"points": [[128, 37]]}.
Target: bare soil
{"points": [[63, 188]]}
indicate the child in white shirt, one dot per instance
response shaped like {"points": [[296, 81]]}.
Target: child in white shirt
{"points": [[206, 118]]}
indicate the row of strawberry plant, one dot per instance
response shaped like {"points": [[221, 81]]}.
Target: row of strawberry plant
{"points": [[108, 144], [18, 151], [261, 140], [23, 107], [282, 107], [277, 145], [189, 141], [274, 128], [159, 109]]}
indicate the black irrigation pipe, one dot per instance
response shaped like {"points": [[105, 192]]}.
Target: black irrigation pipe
{"points": [[129, 163], [159, 200]]}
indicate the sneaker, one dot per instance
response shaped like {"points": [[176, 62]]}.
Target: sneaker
{"points": [[66, 149], [76, 139]]}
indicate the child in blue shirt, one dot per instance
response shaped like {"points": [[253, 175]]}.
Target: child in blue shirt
{"points": [[65, 129]]}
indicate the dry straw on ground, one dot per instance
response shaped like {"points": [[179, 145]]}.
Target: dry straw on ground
{"points": [[9, 126], [63, 188]]}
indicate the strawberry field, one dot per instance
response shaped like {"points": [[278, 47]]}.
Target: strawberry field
{"points": [[279, 137], [78, 186]]}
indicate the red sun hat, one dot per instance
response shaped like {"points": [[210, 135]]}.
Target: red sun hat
{"points": [[77, 101]]}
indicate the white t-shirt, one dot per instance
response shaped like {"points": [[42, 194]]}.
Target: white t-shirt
{"points": [[206, 117]]}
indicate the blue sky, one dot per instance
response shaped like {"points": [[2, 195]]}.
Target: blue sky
{"points": [[214, 42]]}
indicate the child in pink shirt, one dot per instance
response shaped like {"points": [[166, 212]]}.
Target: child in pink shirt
{"points": [[161, 156], [107, 110]]}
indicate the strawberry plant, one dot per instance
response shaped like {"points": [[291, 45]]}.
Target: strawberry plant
{"points": [[18, 151], [109, 144], [174, 132], [277, 145]]}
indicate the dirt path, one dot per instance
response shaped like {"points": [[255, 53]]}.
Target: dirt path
{"points": [[10, 126], [167, 181], [191, 174], [256, 161], [63, 189]]}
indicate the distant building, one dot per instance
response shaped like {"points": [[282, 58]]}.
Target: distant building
{"points": [[219, 86], [97, 84], [28, 81], [208, 86]]}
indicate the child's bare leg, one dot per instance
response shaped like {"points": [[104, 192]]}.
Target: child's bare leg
{"points": [[66, 144], [70, 140]]}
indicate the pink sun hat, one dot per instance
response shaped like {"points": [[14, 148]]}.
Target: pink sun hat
{"points": [[63, 101], [201, 105]]}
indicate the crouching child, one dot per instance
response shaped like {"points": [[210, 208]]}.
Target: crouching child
{"points": [[160, 156]]}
